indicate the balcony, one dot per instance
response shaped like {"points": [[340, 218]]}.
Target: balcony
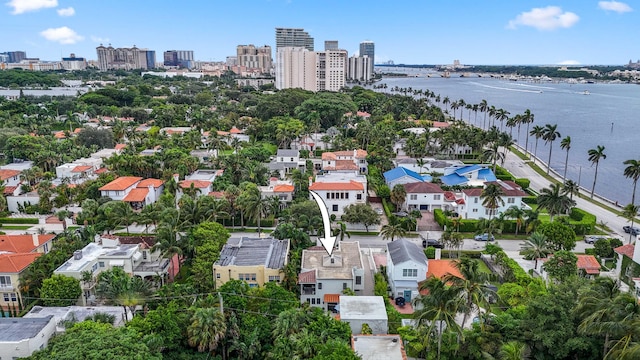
{"points": [[158, 267], [308, 290]]}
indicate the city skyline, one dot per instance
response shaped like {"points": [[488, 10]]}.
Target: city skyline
{"points": [[520, 33]]}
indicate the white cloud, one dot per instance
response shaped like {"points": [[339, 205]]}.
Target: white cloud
{"points": [[98, 39], [62, 35], [23, 6], [548, 18], [569, 62], [616, 6], [66, 11]]}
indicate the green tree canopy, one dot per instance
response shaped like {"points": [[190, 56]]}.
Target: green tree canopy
{"points": [[60, 290], [559, 236]]}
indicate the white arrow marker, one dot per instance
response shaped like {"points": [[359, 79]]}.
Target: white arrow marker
{"points": [[329, 241]]}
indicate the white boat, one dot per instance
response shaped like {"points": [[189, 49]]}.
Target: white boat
{"points": [[586, 92]]}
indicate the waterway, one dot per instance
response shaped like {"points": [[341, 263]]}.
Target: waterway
{"points": [[609, 115]]}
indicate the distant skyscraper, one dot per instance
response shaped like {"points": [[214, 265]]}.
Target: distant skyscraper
{"points": [[74, 63], [331, 44], [255, 58], [297, 67], [368, 48], [4, 57], [182, 58], [125, 58], [359, 68], [16, 56], [287, 37]]}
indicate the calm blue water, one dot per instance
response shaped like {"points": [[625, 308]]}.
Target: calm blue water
{"points": [[609, 116]]}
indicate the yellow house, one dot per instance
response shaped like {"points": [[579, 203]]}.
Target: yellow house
{"points": [[254, 260]]}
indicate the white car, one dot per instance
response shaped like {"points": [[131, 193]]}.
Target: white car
{"points": [[379, 211]]}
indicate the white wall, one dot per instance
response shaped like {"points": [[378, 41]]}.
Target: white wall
{"points": [[13, 201], [26, 347]]}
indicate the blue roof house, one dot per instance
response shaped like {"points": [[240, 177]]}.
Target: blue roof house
{"points": [[401, 175], [472, 175]]}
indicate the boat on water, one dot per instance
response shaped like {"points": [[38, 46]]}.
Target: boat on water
{"points": [[586, 92]]}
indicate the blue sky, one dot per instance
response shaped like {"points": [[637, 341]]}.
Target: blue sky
{"points": [[411, 32]]}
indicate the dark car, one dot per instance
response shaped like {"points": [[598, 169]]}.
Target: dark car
{"points": [[400, 301], [631, 230], [432, 242]]}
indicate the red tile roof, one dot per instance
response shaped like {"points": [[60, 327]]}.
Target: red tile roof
{"points": [[626, 250], [440, 124], [120, 146], [343, 165], [307, 277], [198, 184], [22, 243], [15, 263], [121, 183], [8, 190], [59, 135], [473, 192], [351, 185], [217, 194], [589, 263], [7, 174], [423, 188], [101, 170], [509, 188], [283, 188], [156, 183], [360, 154], [440, 268], [235, 130], [136, 195], [81, 168], [331, 298]]}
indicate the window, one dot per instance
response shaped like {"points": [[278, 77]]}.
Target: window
{"points": [[358, 280], [511, 200], [253, 277], [313, 301], [410, 272], [217, 275], [436, 197], [358, 196], [475, 210], [144, 255], [94, 267], [14, 297], [45, 247], [413, 197], [101, 264], [344, 286], [308, 301], [5, 281], [346, 195], [291, 159], [327, 195], [274, 278], [318, 301], [335, 207], [475, 200], [319, 286], [6, 297]]}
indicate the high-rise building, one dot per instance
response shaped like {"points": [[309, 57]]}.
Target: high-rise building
{"points": [[16, 56], [331, 44], [182, 58], [287, 37], [359, 68], [4, 57], [297, 67], [125, 58], [368, 48], [252, 57], [74, 63]]}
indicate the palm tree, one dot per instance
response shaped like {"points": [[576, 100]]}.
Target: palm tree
{"points": [[536, 132], [555, 200], [493, 154], [570, 188], [117, 287], [566, 145], [484, 107], [516, 213], [595, 155], [341, 231], [393, 229], [535, 247], [207, 330], [630, 212], [492, 198], [473, 286], [398, 196], [632, 171], [527, 118], [513, 350], [549, 135], [439, 308]]}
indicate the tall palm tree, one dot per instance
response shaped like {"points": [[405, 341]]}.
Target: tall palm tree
{"points": [[117, 287], [516, 213], [438, 309], [527, 118], [473, 286], [493, 154], [484, 107], [555, 201], [595, 155], [492, 198], [630, 212], [570, 188], [501, 115], [549, 135], [632, 171], [565, 144], [535, 247], [536, 132], [398, 196], [207, 330], [341, 231], [393, 229]]}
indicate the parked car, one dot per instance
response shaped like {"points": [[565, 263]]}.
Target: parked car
{"points": [[631, 230], [432, 242], [484, 237], [591, 239], [379, 211]]}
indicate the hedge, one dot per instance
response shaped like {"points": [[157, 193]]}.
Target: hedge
{"points": [[19, 220], [503, 174], [523, 183], [531, 200], [520, 276], [582, 222], [430, 252], [473, 254]]}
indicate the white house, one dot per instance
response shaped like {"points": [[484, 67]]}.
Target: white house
{"points": [[423, 196], [119, 188], [338, 195], [406, 267], [283, 189], [10, 177], [360, 310], [146, 192], [286, 161], [323, 278], [345, 161], [513, 195], [21, 337]]}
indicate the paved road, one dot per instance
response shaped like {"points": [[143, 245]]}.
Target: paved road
{"points": [[520, 169]]}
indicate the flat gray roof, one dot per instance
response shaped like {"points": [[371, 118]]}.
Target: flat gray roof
{"points": [[16, 329], [62, 313], [270, 252], [378, 347], [345, 260], [362, 308]]}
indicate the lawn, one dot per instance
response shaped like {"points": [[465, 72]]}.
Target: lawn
{"points": [[482, 267], [16, 227]]}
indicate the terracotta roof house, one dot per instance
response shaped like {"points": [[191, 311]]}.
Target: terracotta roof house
{"points": [[356, 156], [338, 195]]}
